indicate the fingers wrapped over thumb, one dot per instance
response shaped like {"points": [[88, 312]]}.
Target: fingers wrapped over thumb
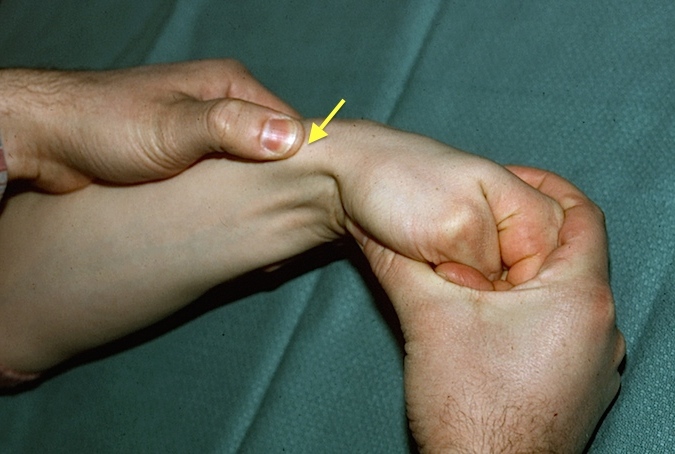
{"points": [[243, 129]]}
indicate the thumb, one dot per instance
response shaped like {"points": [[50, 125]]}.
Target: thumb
{"points": [[464, 275], [409, 283], [467, 276], [240, 128]]}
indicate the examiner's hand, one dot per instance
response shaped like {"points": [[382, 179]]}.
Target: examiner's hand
{"points": [[64, 129], [528, 369]]}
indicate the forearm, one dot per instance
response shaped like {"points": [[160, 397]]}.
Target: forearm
{"points": [[81, 269]]}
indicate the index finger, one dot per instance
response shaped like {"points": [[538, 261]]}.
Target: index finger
{"points": [[582, 238], [244, 86], [208, 80]]}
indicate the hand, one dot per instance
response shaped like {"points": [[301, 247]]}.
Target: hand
{"points": [[64, 129], [529, 369], [435, 204]]}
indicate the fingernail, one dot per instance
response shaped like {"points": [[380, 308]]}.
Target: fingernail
{"points": [[278, 135]]}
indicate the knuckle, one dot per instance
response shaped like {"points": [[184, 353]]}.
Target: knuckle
{"points": [[224, 119], [603, 311], [593, 208], [470, 237], [468, 219], [555, 211], [219, 117]]}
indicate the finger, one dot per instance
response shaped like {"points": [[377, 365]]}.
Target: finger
{"points": [[582, 236], [208, 80], [241, 128], [528, 223], [467, 276], [241, 84], [464, 275], [396, 273], [420, 296], [249, 89], [408, 283]]}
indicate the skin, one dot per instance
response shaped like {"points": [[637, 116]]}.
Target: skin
{"points": [[167, 242], [61, 130], [83, 268], [530, 368]]}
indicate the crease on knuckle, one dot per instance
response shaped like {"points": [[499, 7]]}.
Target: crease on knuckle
{"points": [[223, 119]]}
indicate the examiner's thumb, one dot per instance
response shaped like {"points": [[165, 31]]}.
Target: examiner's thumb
{"points": [[246, 130], [406, 281]]}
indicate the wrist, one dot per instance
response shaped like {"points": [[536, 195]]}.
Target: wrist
{"points": [[327, 161], [346, 156], [287, 207]]}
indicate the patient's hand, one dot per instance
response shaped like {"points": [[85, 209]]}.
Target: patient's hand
{"points": [[530, 369], [432, 203]]}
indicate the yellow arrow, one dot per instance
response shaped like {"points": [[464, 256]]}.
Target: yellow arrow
{"points": [[317, 132]]}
